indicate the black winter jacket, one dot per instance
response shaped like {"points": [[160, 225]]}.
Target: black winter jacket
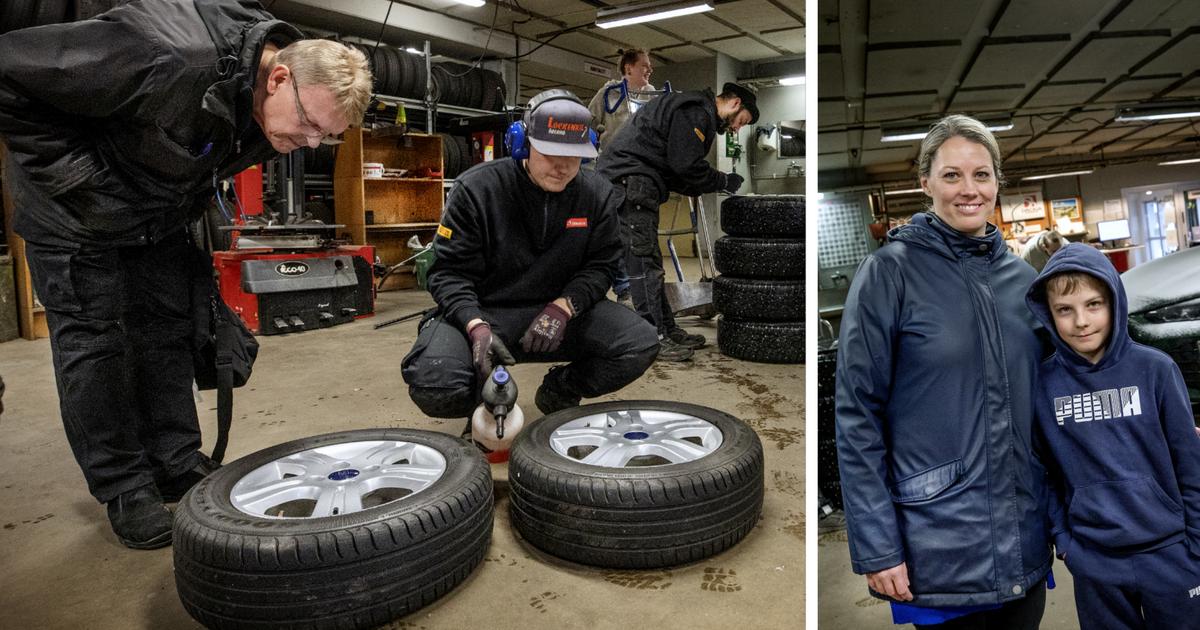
{"points": [[116, 126], [504, 241], [935, 378], [668, 140]]}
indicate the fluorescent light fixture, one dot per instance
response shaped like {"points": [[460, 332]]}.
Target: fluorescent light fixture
{"points": [[648, 11], [1066, 174], [1174, 162], [906, 191], [471, 3], [903, 132], [1158, 111], [414, 51], [901, 136], [796, 80]]}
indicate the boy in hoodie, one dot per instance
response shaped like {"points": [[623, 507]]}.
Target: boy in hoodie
{"points": [[1115, 430]]}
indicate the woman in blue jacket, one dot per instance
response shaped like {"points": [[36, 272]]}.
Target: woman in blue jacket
{"points": [[945, 506]]}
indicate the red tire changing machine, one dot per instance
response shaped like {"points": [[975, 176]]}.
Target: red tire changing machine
{"points": [[288, 274]]}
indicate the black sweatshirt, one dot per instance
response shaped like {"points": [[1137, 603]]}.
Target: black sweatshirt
{"points": [[668, 141], [504, 241]]}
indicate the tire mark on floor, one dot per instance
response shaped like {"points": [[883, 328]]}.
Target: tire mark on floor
{"points": [[640, 580], [33, 521], [718, 580], [538, 602]]}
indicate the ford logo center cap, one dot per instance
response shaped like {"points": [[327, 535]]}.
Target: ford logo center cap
{"points": [[291, 268]]}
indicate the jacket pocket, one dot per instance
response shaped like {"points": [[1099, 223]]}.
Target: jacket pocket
{"points": [[927, 484], [1123, 513]]}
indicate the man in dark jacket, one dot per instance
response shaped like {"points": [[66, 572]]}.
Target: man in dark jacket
{"points": [[524, 257], [663, 150], [117, 130]]}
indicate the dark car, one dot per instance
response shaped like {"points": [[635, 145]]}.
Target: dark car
{"points": [[1164, 311]]}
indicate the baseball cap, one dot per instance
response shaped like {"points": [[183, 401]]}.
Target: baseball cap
{"points": [[749, 100], [559, 126]]}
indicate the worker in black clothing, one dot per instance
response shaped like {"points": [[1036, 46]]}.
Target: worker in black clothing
{"points": [[117, 129], [524, 256], [662, 150]]}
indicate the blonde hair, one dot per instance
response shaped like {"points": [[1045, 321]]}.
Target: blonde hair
{"points": [[339, 68], [960, 126]]}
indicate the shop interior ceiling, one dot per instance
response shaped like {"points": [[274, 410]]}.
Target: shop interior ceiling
{"points": [[751, 31], [1058, 68]]}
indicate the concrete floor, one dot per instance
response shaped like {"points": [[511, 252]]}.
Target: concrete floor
{"points": [[61, 566], [843, 601]]}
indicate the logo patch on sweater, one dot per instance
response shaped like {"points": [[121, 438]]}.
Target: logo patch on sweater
{"points": [[1106, 404], [1194, 592], [577, 222], [444, 231]]}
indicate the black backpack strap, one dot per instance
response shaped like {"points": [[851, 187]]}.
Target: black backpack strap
{"points": [[224, 353]]}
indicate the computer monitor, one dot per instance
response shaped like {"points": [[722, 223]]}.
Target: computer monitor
{"points": [[1113, 230]]}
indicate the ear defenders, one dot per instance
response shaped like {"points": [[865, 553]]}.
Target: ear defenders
{"points": [[516, 140]]}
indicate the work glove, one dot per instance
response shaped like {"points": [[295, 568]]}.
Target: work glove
{"points": [[733, 182], [546, 331], [485, 345]]}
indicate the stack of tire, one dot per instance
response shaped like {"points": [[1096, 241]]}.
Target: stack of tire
{"points": [[397, 73], [467, 86], [760, 292], [456, 155], [828, 476]]}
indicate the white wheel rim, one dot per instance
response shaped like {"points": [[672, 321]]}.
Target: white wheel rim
{"points": [[338, 479], [636, 438]]}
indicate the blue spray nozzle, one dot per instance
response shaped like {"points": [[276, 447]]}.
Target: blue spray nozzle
{"points": [[500, 375]]}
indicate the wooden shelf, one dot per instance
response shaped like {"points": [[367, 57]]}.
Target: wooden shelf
{"points": [[398, 206], [417, 180], [31, 316], [402, 226]]}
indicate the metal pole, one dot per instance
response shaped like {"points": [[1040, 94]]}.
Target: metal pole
{"points": [[431, 111]]}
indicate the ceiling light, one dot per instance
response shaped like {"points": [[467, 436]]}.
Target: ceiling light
{"points": [[905, 131], [1067, 174], [414, 51], [1174, 162], [648, 11], [797, 80], [471, 3], [1158, 111], [906, 191]]}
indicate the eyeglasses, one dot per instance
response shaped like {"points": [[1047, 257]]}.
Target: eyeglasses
{"points": [[307, 125]]}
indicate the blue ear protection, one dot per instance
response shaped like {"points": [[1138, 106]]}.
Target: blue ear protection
{"points": [[516, 141]]}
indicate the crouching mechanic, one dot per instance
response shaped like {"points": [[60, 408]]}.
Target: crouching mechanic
{"points": [[117, 129], [524, 254]]}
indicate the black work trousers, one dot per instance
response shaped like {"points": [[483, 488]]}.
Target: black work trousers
{"points": [[644, 262], [608, 347], [121, 341]]}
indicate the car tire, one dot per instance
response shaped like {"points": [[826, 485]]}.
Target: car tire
{"points": [[759, 300], [237, 567], [761, 342], [763, 216], [636, 515], [759, 257]]}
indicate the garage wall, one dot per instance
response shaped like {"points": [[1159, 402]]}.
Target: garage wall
{"points": [[776, 104]]}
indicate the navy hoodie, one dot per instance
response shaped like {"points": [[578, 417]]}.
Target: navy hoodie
{"points": [[1117, 437]]}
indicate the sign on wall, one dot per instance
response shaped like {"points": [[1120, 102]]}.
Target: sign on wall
{"points": [[1022, 205]]}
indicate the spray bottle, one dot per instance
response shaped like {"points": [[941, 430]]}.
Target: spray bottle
{"points": [[498, 419]]}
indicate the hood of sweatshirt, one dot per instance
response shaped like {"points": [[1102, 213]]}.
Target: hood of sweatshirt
{"points": [[1086, 259]]}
